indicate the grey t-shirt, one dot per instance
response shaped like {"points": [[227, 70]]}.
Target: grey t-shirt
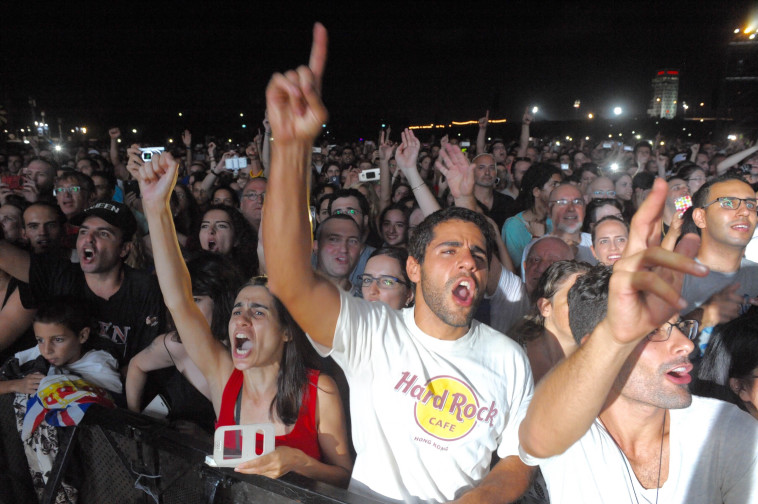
{"points": [[697, 290]]}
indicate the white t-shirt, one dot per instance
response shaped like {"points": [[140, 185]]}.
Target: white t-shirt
{"points": [[713, 459], [509, 303], [427, 414]]}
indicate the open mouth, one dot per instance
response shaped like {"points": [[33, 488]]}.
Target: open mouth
{"points": [[680, 375], [614, 257], [242, 345], [88, 254], [742, 227], [212, 245], [464, 291]]}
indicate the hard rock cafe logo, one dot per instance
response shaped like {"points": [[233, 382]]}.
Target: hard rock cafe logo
{"points": [[446, 407]]}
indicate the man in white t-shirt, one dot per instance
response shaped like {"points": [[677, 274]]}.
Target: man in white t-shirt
{"points": [[433, 394], [629, 430]]}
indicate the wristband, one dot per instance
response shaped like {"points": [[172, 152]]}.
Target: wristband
{"points": [[420, 185]]}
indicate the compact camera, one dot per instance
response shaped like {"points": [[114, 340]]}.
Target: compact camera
{"points": [[149, 152]]}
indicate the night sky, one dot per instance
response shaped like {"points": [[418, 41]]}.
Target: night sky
{"points": [[139, 66]]}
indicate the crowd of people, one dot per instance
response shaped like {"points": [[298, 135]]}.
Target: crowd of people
{"points": [[443, 319]]}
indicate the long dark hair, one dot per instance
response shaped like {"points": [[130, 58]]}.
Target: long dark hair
{"points": [[535, 177], [732, 353], [244, 254], [216, 277], [298, 356]]}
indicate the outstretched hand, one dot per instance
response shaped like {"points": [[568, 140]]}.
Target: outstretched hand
{"points": [[293, 99], [645, 288], [156, 177], [406, 154], [454, 165]]}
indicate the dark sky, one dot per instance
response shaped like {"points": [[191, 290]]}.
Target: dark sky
{"points": [[138, 66]]}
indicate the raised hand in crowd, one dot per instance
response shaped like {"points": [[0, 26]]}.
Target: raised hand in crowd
{"points": [[385, 150], [481, 136]]}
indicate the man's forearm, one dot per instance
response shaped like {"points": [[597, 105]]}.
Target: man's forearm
{"points": [[505, 483], [734, 159], [574, 392]]}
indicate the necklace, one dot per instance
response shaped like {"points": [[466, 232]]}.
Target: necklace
{"points": [[626, 463]]}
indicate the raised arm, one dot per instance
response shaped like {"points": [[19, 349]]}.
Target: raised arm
{"points": [[119, 168], [187, 141], [481, 136], [157, 179], [406, 157], [296, 114], [266, 148], [385, 177], [644, 292], [735, 158], [526, 120]]}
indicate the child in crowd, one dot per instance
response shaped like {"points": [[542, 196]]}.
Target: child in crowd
{"points": [[78, 375]]}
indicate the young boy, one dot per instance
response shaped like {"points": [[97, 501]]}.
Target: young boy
{"points": [[78, 376]]}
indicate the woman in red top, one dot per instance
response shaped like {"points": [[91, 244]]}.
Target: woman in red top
{"points": [[264, 379]]}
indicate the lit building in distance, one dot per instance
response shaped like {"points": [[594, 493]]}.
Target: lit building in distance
{"points": [[665, 94]]}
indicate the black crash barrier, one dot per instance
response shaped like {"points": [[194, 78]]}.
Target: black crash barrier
{"points": [[122, 457]]}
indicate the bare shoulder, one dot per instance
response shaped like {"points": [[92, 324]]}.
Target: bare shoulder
{"points": [[327, 385]]}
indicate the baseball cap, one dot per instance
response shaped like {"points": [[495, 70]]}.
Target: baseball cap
{"points": [[112, 212]]}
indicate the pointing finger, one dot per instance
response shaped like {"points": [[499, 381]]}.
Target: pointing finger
{"points": [[317, 62]]}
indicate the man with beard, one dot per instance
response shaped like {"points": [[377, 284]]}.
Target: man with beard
{"points": [[433, 393], [567, 213]]}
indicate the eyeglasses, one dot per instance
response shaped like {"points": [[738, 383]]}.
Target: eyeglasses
{"points": [[733, 203], [382, 281], [254, 196], [346, 211], [564, 202], [687, 327], [60, 190], [604, 193]]}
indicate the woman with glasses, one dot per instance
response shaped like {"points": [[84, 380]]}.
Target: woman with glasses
{"points": [[265, 378], [385, 278], [729, 368]]}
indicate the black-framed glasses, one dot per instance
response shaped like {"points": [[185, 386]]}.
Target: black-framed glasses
{"points": [[733, 203], [346, 211], [663, 333], [564, 202], [382, 281], [60, 190], [254, 196]]}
